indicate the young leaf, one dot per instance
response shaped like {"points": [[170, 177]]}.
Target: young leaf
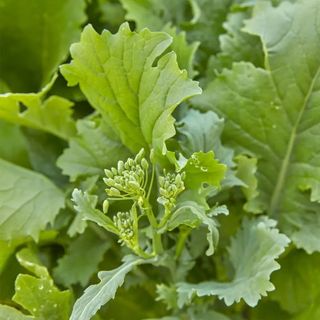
{"points": [[140, 89], [99, 294], [202, 132], [28, 202], [252, 253], [38, 294], [35, 47], [203, 168], [85, 205], [273, 114], [192, 214]]}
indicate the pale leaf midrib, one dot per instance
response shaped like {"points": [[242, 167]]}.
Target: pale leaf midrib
{"points": [[274, 202]]}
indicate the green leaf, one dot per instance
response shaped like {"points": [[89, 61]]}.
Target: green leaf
{"points": [[139, 94], [202, 19], [87, 247], [29, 260], [39, 295], [91, 151], [237, 45], [297, 282], [202, 132], [36, 46], [85, 205], [155, 14], [252, 253], [246, 172], [52, 114], [9, 313], [273, 114], [203, 168], [28, 202], [185, 52], [42, 298], [7, 248], [99, 294], [168, 295], [192, 214], [13, 147]]}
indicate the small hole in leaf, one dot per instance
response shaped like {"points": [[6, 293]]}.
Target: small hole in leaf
{"points": [[22, 107]]}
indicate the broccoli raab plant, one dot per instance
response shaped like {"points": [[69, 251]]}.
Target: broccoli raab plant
{"points": [[159, 159]]}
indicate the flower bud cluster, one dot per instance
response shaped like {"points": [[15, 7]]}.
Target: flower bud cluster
{"points": [[170, 186], [129, 179], [124, 223]]}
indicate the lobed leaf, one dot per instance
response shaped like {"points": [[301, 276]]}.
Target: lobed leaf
{"points": [[273, 115], [126, 79], [252, 253]]}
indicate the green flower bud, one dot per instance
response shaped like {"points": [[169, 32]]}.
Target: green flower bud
{"points": [[113, 192], [105, 206]]}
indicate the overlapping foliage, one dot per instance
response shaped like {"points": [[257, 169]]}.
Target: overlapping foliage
{"points": [[159, 159]]}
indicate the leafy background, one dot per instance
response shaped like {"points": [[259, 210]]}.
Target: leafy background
{"points": [[68, 111]]}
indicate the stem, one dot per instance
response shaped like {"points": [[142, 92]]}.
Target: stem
{"points": [[183, 235], [156, 241], [165, 218], [151, 182]]}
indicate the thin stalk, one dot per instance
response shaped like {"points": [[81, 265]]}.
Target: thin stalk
{"points": [[157, 242], [183, 235]]}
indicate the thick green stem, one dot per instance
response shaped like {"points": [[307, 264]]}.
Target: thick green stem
{"points": [[183, 235], [157, 242]]}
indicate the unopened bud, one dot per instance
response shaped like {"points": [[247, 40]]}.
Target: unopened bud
{"points": [[105, 206]]}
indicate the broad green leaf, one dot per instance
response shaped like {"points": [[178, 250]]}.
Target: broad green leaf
{"points": [[34, 110], [87, 247], [39, 295], [36, 35], [28, 202], [273, 114], [267, 310], [85, 205], [203, 168], [297, 282], [311, 312], [99, 294], [252, 253], [42, 299], [246, 172], [9, 313], [13, 147], [91, 151], [139, 94]]}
